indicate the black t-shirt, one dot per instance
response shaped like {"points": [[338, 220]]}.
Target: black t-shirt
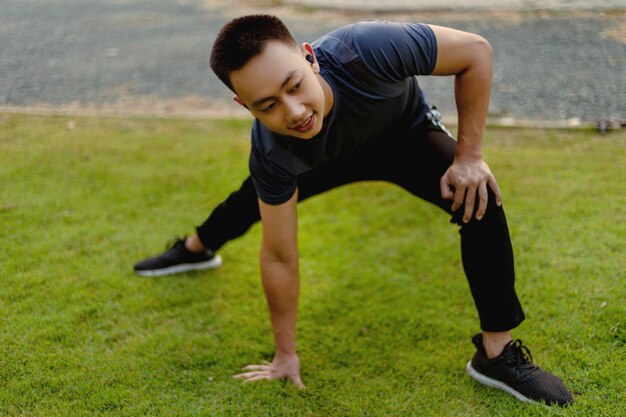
{"points": [[371, 68]]}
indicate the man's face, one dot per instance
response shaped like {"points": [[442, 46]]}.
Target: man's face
{"points": [[282, 90]]}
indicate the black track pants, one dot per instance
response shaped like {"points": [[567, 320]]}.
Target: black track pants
{"points": [[415, 160]]}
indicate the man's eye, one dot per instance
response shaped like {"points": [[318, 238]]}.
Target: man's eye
{"points": [[296, 87], [269, 108]]}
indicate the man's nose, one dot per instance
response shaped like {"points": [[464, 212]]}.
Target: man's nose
{"points": [[296, 112]]}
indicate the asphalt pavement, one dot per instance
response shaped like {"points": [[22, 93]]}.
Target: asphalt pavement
{"points": [[460, 5], [152, 56]]}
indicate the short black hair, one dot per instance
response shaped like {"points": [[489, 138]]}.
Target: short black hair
{"points": [[242, 39]]}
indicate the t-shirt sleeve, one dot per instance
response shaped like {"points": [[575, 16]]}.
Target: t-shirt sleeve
{"points": [[394, 51], [273, 184]]}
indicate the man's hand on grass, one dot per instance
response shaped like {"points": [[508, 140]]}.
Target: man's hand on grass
{"points": [[466, 179], [283, 366]]}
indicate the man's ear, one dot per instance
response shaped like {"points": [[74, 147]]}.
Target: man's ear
{"points": [[307, 49], [240, 102]]}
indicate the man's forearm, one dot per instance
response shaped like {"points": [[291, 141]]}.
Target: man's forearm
{"points": [[473, 92], [281, 282]]}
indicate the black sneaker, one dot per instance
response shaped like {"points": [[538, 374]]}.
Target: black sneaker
{"points": [[514, 372], [177, 258]]}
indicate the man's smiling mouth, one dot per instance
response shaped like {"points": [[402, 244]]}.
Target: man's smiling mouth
{"points": [[306, 125]]}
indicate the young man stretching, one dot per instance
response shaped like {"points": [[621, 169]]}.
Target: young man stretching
{"points": [[348, 108]]}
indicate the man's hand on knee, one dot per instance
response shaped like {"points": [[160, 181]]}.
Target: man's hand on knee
{"points": [[466, 181]]}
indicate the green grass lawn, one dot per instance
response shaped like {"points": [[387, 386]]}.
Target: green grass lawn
{"points": [[385, 314]]}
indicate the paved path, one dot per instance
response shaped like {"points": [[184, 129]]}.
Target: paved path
{"points": [[459, 5], [151, 56]]}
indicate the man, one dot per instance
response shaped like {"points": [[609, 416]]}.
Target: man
{"points": [[348, 108]]}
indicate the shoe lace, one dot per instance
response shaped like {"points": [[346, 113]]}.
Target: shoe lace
{"points": [[520, 358], [173, 243]]}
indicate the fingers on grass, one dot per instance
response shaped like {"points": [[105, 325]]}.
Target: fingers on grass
{"points": [[248, 375], [257, 367], [259, 377], [298, 382]]}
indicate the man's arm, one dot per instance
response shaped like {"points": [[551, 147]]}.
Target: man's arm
{"points": [[281, 281], [469, 58]]}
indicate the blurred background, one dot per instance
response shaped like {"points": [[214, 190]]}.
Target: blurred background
{"points": [[555, 61]]}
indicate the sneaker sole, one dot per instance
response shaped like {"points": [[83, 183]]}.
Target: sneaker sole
{"points": [[494, 383], [213, 263]]}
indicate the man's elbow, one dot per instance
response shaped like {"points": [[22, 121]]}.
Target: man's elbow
{"points": [[285, 256], [483, 47]]}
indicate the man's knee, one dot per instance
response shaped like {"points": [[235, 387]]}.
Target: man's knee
{"points": [[493, 213]]}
